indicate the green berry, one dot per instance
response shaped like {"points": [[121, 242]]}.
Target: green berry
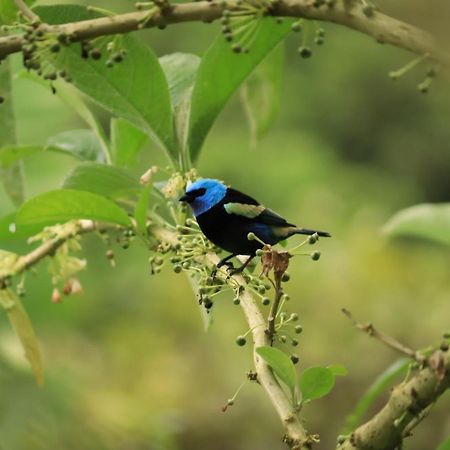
{"points": [[305, 52], [294, 358], [368, 10], [286, 277], [315, 256], [230, 402], [298, 329], [261, 289], [296, 27], [186, 265], [236, 301], [312, 239], [259, 252], [283, 338], [266, 301], [177, 268], [283, 316], [55, 48], [294, 317], [238, 49], [96, 54], [294, 342], [1, 99], [241, 341]]}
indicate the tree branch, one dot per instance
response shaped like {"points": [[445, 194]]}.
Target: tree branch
{"points": [[381, 27], [405, 407], [23, 8]]}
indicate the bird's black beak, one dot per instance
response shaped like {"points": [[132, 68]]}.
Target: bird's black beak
{"points": [[187, 198]]}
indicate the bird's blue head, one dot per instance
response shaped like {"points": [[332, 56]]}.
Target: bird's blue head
{"points": [[203, 194]]}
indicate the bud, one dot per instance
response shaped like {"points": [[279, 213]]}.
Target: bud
{"points": [[251, 236], [56, 296]]}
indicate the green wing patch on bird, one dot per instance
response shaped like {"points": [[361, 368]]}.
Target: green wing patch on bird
{"points": [[241, 209]]}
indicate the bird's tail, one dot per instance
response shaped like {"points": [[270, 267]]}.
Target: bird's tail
{"points": [[310, 232]]}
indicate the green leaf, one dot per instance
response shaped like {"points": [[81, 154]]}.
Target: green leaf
{"points": [[108, 181], [140, 212], [281, 364], [135, 89], [10, 231], [65, 204], [11, 154], [8, 11], [261, 93], [11, 176], [180, 70], [427, 221], [21, 324], [444, 445], [397, 369], [338, 370], [316, 382], [126, 142], [83, 144], [220, 74]]}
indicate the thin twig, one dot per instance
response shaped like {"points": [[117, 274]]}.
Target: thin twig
{"points": [[23, 8], [384, 338], [274, 310]]}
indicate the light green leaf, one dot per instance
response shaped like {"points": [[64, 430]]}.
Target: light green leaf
{"points": [[21, 324], [261, 93], [11, 176], [140, 212], [10, 231], [66, 204], [338, 370], [397, 369], [126, 142], [11, 154], [444, 445], [281, 364], [220, 74], [83, 144], [108, 181], [180, 70], [135, 89], [316, 382], [8, 11], [427, 221]]}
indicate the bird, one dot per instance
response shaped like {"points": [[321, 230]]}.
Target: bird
{"points": [[226, 216]]}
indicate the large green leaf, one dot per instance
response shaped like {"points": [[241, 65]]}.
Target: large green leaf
{"points": [[12, 175], [126, 142], [426, 221], [21, 324], [281, 364], [83, 144], [135, 89], [108, 181], [316, 382], [67, 204], [397, 369], [220, 74], [8, 11], [261, 93]]}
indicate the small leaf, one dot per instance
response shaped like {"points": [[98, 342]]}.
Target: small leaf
{"points": [[316, 382], [140, 212], [108, 181], [220, 74], [261, 93], [21, 324], [126, 142], [65, 204], [426, 221], [397, 369], [338, 370], [83, 144], [281, 364], [444, 445], [136, 89]]}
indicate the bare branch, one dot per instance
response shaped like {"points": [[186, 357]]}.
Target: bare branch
{"points": [[385, 339], [381, 27]]}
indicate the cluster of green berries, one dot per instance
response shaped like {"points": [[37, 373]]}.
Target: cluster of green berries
{"points": [[305, 51], [241, 21]]}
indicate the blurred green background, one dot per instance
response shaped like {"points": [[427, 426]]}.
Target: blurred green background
{"points": [[128, 364]]}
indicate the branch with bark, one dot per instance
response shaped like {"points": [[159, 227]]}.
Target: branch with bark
{"points": [[383, 28]]}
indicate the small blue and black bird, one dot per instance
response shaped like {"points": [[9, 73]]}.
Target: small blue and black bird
{"points": [[226, 217]]}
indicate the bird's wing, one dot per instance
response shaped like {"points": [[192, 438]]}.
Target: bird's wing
{"points": [[257, 212], [234, 196]]}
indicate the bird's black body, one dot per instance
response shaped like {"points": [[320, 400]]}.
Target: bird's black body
{"points": [[227, 216]]}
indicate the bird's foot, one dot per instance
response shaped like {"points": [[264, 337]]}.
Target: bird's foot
{"points": [[234, 271], [229, 266]]}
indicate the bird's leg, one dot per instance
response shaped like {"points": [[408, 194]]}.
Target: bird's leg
{"points": [[223, 262], [240, 269]]}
